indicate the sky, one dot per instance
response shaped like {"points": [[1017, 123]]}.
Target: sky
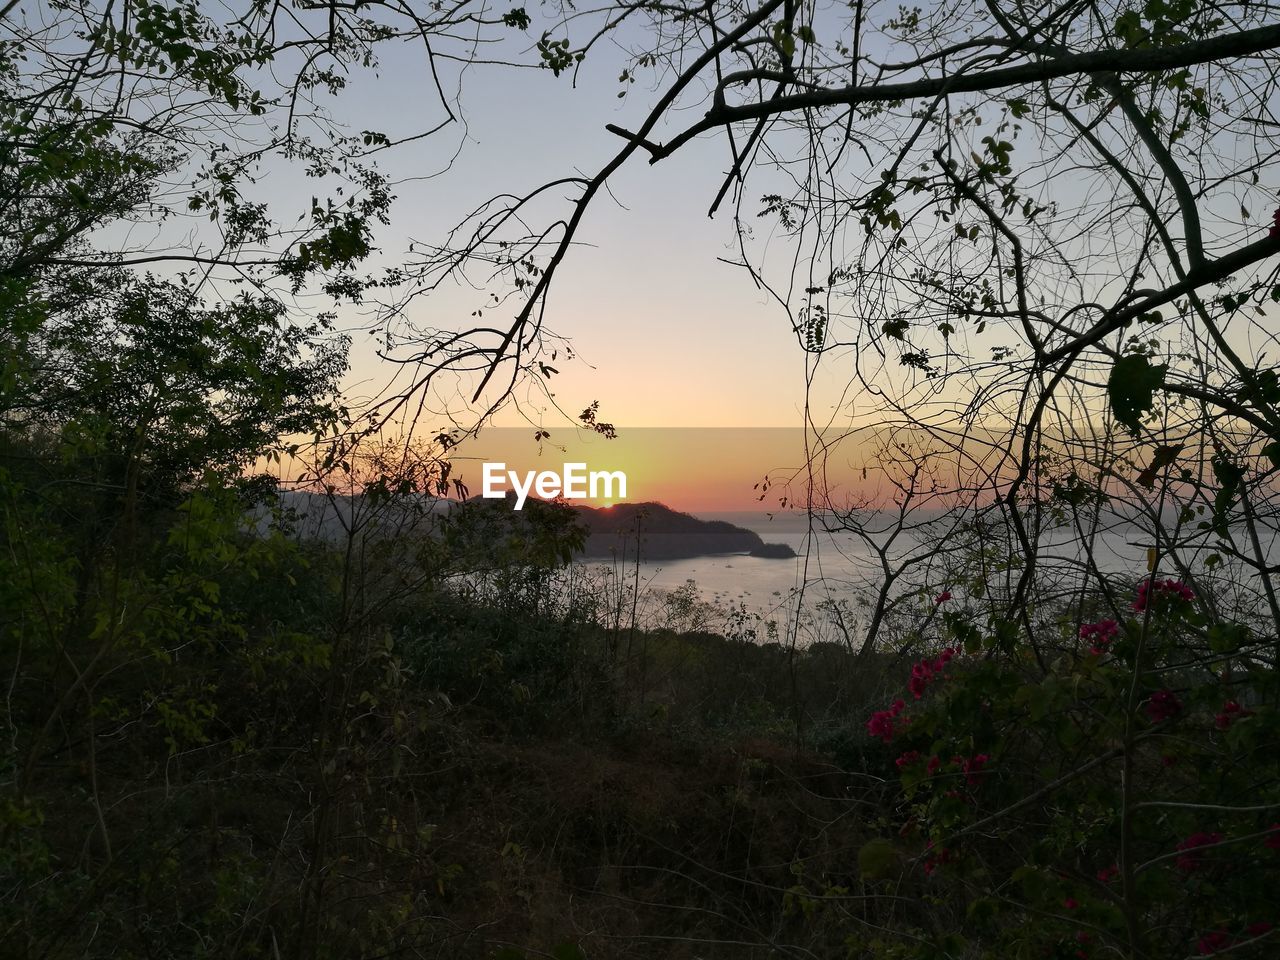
{"points": [[666, 334], [698, 470]]}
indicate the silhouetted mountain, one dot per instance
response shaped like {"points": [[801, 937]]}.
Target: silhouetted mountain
{"points": [[666, 534]]}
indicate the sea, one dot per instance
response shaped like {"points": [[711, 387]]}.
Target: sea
{"points": [[836, 568]]}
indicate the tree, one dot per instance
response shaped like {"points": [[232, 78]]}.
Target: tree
{"points": [[1008, 222], [1032, 234], [1041, 239]]}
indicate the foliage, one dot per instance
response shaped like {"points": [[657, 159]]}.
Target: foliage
{"points": [[222, 739], [1120, 799]]}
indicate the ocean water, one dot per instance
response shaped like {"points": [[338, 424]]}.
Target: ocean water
{"points": [[841, 567]]}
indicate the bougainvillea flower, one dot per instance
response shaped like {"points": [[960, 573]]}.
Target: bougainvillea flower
{"points": [[1190, 861], [1231, 712], [1211, 943], [1099, 635], [973, 766], [926, 671], [943, 597], [880, 725], [1163, 705], [1155, 591], [1273, 840], [1107, 874], [938, 858], [921, 674]]}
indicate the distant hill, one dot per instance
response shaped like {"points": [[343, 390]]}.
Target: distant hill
{"points": [[666, 534]]}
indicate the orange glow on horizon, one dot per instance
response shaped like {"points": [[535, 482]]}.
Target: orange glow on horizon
{"points": [[688, 469]]}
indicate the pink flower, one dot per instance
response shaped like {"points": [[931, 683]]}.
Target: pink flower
{"points": [[921, 674], [934, 763], [1211, 943], [1155, 591], [1273, 839], [880, 725], [926, 671], [907, 759], [1231, 711], [943, 597], [938, 858], [1099, 635], [1071, 903], [1107, 874], [1163, 705], [1190, 861], [973, 766]]}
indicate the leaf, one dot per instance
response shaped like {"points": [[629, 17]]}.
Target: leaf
{"points": [[895, 328], [517, 18], [1229, 475], [1131, 388], [1272, 453], [1163, 457], [1227, 637], [877, 858]]}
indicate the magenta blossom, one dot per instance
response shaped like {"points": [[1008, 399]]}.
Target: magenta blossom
{"points": [[1213, 942], [1163, 705], [926, 671], [1273, 838], [938, 858], [1191, 861], [907, 759], [1231, 712], [1099, 635], [882, 724], [973, 766], [1154, 591]]}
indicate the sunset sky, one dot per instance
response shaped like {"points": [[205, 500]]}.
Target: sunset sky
{"points": [[697, 470], [667, 334]]}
